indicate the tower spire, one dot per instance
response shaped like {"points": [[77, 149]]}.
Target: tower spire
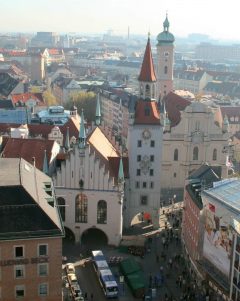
{"points": [[45, 163], [82, 132], [147, 73], [98, 111], [120, 172], [67, 142]]}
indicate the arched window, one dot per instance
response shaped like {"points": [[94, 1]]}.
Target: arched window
{"points": [[165, 70], [102, 212], [147, 91], [141, 90], [214, 157], [153, 91], [81, 208], [175, 156], [195, 153], [61, 206]]}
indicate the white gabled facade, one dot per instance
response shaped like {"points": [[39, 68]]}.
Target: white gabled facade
{"points": [[83, 180]]}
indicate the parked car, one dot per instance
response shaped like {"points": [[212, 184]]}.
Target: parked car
{"points": [[76, 290], [72, 279], [70, 268]]}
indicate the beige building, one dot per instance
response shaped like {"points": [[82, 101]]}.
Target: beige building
{"points": [[195, 140], [31, 234]]}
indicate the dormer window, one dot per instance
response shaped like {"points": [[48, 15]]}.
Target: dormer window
{"points": [[147, 111]]}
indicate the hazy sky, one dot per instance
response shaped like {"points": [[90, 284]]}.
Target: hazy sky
{"points": [[217, 18]]}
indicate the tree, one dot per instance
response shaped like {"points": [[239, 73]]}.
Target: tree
{"points": [[49, 98], [85, 101]]}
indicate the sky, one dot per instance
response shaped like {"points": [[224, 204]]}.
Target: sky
{"points": [[217, 18]]}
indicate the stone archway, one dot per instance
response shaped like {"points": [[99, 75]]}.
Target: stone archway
{"points": [[94, 238], [69, 235]]}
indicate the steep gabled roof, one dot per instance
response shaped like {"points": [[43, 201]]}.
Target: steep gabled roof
{"points": [[146, 112], [27, 149], [147, 73], [174, 104]]}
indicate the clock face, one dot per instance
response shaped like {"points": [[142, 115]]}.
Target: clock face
{"points": [[146, 134]]}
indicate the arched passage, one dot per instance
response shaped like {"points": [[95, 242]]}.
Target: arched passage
{"points": [[69, 235], [94, 238]]}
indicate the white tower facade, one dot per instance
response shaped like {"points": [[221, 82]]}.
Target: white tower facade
{"points": [[165, 60], [145, 136]]}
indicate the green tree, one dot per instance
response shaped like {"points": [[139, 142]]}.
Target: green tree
{"points": [[85, 101], [49, 98]]}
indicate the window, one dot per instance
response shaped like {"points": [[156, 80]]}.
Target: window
{"points": [[152, 185], [144, 184], [152, 158], [19, 291], [152, 143], [165, 70], [61, 207], [43, 269], [137, 184], [195, 153], [19, 271], [19, 252], [43, 289], [147, 111], [151, 172], [143, 200], [139, 158], [147, 91], [81, 208], [214, 154], [42, 250], [138, 172], [174, 175], [197, 125], [139, 143], [102, 212], [175, 156]]}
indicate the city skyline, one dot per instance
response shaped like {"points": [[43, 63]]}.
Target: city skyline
{"points": [[212, 18]]}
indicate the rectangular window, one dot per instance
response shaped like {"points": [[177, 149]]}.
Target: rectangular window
{"points": [[18, 251], [42, 250], [139, 143], [42, 269], [19, 271], [152, 158], [19, 291], [151, 184], [137, 184], [144, 200], [144, 184], [43, 289], [138, 172], [152, 143], [139, 158], [151, 172]]}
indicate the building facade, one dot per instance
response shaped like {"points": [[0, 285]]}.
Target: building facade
{"points": [[31, 234]]}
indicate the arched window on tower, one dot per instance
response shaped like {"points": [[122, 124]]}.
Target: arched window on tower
{"points": [[141, 90], [165, 70], [61, 206], [153, 91], [102, 212], [214, 157], [147, 91], [195, 153], [175, 156], [81, 208]]}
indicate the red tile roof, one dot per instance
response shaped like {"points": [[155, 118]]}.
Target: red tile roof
{"points": [[231, 111], [146, 112], [24, 97], [55, 51], [27, 149], [173, 105], [147, 73]]}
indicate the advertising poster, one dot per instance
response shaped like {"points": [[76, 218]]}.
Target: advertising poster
{"points": [[217, 239]]}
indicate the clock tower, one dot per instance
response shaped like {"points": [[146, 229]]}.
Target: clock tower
{"points": [[144, 148]]}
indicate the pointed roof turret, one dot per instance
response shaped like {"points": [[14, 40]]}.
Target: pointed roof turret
{"points": [[67, 141], [166, 23], [82, 132], [45, 163], [147, 73], [120, 172], [165, 37], [98, 111]]}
